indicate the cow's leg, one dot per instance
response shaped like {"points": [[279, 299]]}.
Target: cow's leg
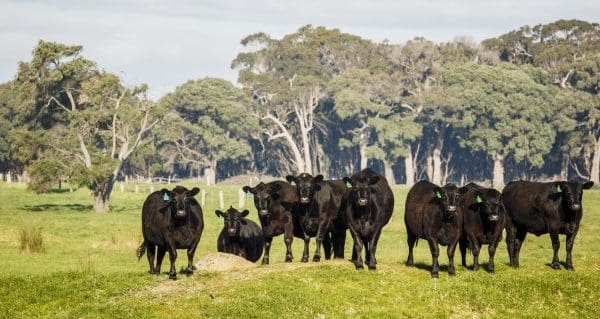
{"points": [[476, 248], [435, 253], [288, 238], [190, 255], [172, 258], [356, 255], [267, 248], [462, 246], [322, 231], [511, 237], [338, 238], [492, 251], [306, 246], [150, 252], [372, 263], [521, 233], [555, 247], [450, 251], [411, 239], [327, 244], [162, 250], [570, 242]]}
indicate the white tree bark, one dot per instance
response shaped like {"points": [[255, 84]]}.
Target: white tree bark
{"points": [[595, 171], [389, 172], [409, 169], [498, 172]]}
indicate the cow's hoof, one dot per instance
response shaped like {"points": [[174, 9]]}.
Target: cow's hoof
{"points": [[435, 275], [173, 276], [569, 267], [475, 267], [372, 267], [555, 265], [491, 269], [288, 258], [316, 259], [451, 271], [359, 267], [410, 264], [189, 272], [265, 262], [304, 259]]}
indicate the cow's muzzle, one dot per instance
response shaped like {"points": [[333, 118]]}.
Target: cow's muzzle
{"points": [[362, 201], [304, 200], [451, 208], [263, 212], [493, 217], [575, 207], [180, 213], [232, 231]]}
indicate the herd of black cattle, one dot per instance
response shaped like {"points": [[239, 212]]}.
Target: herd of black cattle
{"points": [[305, 207]]}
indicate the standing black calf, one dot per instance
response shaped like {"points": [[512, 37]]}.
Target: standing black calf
{"points": [[369, 207], [171, 220], [431, 213], [240, 236], [542, 208], [483, 221]]}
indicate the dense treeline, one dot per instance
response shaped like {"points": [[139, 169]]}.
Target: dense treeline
{"points": [[523, 105]]}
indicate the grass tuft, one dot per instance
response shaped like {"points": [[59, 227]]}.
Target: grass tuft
{"points": [[31, 240]]}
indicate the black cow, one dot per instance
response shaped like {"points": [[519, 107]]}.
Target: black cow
{"points": [[431, 213], [240, 236], [275, 202], [541, 208], [369, 205], [171, 220], [317, 212], [483, 222]]}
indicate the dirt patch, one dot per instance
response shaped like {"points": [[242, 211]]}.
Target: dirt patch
{"points": [[223, 262]]}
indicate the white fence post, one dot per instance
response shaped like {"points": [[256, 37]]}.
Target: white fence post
{"points": [[221, 204], [241, 198], [203, 198]]}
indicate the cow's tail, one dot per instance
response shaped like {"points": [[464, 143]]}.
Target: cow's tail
{"points": [[141, 250]]}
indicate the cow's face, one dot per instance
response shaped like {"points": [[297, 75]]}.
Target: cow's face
{"points": [[361, 189], [306, 185], [179, 200], [490, 204], [263, 195], [572, 193], [447, 197], [232, 220]]}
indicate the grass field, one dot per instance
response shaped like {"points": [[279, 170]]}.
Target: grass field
{"points": [[89, 269]]}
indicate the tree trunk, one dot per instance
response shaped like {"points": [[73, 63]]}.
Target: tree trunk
{"points": [[210, 173], [437, 166], [306, 150], [409, 170], [102, 194], [389, 172], [595, 171], [363, 151], [498, 172], [429, 167], [8, 177], [564, 169]]}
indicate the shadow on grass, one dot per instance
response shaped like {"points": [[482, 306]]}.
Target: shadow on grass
{"points": [[57, 207]]}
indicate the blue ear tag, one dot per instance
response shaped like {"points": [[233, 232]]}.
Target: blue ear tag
{"points": [[438, 195], [558, 189], [166, 197], [478, 200], [348, 185]]}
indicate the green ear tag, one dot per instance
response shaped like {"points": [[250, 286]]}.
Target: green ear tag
{"points": [[438, 195], [478, 200], [348, 185], [293, 183], [558, 189]]}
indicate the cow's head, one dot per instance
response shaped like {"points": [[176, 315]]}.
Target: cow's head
{"points": [[489, 204], [447, 196], [178, 200], [571, 193], [263, 195], [306, 185], [232, 220], [361, 188]]}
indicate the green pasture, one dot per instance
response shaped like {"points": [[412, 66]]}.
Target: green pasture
{"points": [[88, 269]]}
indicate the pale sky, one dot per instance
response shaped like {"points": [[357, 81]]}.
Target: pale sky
{"points": [[166, 43]]}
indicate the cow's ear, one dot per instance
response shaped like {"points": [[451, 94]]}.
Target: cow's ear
{"points": [[587, 185], [275, 196], [318, 179], [194, 192], [245, 213], [373, 180], [463, 190], [317, 187], [291, 179], [438, 192], [247, 189], [219, 213], [560, 187], [348, 181], [479, 198]]}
